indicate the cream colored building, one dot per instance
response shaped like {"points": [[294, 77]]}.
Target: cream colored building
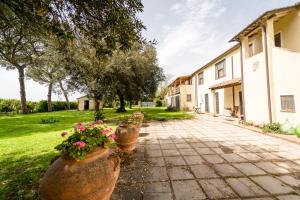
{"points": [[271, 66], [257, 79], [86, 103], [217, 85], [181, 93]]}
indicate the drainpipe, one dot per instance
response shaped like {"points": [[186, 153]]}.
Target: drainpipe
{"points": [[242, 77], [196, 90], [267, 73]]}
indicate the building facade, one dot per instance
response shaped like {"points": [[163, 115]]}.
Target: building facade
{"points": [[271, 66], [181, 93], [255, 80], [217, 85]]}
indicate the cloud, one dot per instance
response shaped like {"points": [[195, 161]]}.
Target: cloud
{"points": [[193, 34]]}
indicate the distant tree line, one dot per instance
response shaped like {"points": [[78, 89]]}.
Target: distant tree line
{"points": [[14, 106], [94, 47]]}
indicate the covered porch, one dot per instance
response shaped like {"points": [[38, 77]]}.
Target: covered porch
{"points": [[232, 98]]}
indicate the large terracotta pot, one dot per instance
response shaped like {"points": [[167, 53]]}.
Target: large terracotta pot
{"points": [[126, 137], [139, 115], [93, 178]]}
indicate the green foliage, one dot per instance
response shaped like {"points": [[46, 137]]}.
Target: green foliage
{"points": [[172, 109], [33, 145], [49, 120], [41, 106], [248, 123], [159, 103], [98, 115], [14, 105], [273, 127], [85, 138]]}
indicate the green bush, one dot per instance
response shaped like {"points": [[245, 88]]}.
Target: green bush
{"points": [[49, 120], [98, 115], [73, 105], [172, 109], [273, 127], [158, 103], [41, 106], [14, 105], [10, 105]]}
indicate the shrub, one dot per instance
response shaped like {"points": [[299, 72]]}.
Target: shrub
{"points": [[98, 115], [41, 106], [10, 105], [73, 105], [49, 120], [273, 127], [85, 138], [158, 103], [172, 109]]}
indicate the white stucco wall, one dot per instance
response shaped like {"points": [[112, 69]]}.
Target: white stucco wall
{"points": [[255, 89], [286, 69], [209, 80]]}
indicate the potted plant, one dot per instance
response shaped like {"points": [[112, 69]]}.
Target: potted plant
{"points": [[127, 134], [86, 168]]}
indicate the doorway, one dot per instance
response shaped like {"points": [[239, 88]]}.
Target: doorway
{"points": [[206, 103], [217, 103], [86, 105]]}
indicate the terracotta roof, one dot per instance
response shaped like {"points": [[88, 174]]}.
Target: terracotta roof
{"points": [[182, 78], [230, 83], [266, 15], [218, 58]]}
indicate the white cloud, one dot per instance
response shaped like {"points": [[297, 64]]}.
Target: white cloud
{"points": [[193, 34]]}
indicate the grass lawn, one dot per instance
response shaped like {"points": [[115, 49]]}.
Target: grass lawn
{"points": [[26, 146]]}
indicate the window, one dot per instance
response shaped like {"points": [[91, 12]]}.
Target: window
{"points": [[277, 40], [200, 78], [287, 103], [251, 50], [220, 69], [188, 97]]}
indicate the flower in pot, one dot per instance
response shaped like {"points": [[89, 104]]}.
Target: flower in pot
{"points": [[127, 134], [86, 168]]}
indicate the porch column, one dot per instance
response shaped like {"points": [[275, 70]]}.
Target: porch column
{"points": [[268, 45], [214, 101]]}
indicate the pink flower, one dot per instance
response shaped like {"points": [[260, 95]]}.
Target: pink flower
{"points": [[112, 136], [110, 129], [105, 131], [64, 133], [81, 128], [79, 144]]}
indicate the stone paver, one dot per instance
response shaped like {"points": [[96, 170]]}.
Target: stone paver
{"points": [[188, 189], [217, 188], [204, 158], [249, 169], [179, 173], [245, 187], [272, 185]]}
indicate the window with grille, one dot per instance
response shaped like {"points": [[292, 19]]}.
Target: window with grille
{"points": [[277, 40], [287, 103], [200, 78], [188, 97], [251, 50], [220, 69]]}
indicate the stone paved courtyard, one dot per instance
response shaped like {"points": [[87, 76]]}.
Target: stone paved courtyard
{"points": [[204, 158]]}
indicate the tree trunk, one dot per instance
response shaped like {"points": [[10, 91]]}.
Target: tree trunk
{"points": [[24, 108], [122, 103], [130, 104], [49, 97], [97, 104], [65, 94]]}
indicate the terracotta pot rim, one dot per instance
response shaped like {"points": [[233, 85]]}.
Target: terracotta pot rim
{"points": [[97, 152]]}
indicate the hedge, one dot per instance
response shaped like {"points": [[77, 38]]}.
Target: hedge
{"points": [[14, 105]]}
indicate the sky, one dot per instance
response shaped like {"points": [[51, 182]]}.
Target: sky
{"points": [[189, 33]]}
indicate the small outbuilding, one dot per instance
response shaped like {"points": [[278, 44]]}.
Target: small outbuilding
{"points": [[85, 103]]}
